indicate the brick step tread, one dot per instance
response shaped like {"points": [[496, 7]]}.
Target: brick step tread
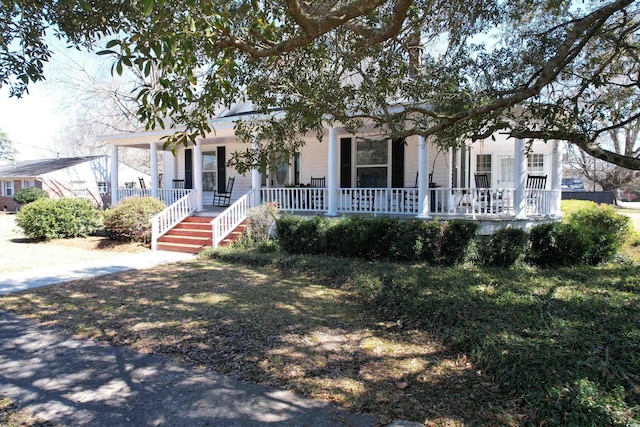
{"points": [[188, 232], [186, 240], [198, 219], [192, 226], [177, 247]]}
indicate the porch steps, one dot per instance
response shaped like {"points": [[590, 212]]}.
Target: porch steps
{"points": [[193, 234]]}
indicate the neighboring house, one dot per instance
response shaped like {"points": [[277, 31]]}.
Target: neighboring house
{"points": [[485, 180], [87, 177]]}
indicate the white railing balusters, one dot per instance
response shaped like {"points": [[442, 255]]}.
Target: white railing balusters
{"points": [[168, 196], [232, 217], [172, 215]]}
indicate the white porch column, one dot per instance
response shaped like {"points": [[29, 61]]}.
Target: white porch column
{"points": [[556, 179], [520, 178], [169, 169], [197, 173], [334, 172], [256, 179], [423, 178], [153, 159], [114, 175]]}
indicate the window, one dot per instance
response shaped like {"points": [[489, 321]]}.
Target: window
{"points": [[372, 164], [102, 187], [7, 188], [507, 171], [209, 171], [28, 183], [535, 164], [483, 165], [79, 189]]}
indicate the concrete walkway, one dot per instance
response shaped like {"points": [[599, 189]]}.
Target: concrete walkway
{"points": [[80, 382], [13, 282]]}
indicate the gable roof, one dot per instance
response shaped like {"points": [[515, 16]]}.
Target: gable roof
{"points": [[36, 168]]}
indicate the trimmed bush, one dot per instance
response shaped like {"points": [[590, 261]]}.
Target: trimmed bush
{"points": [[604, 229], [504, 247], [457, 237], [45, 218], [129, 220], [376, 238], [300, 235], [28, 195], [557, 244], [590, 236]]}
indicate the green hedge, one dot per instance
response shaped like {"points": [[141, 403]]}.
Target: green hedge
{"points": [[46, 218], [377, 238], [129, 220], [504, 247], [589, 236]]}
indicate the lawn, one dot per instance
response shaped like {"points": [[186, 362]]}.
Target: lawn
{"points": [[445, 346], [17, 253]]}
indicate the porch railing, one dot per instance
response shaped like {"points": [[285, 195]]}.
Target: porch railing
{"points": [[168, 196], [455, 202], [307, 199], [172, 215], [232, 217]]}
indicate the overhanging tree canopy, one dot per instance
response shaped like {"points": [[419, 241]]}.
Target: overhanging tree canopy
{"points": [[452, 69]]}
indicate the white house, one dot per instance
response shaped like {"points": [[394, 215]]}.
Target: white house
{"points": [[497, 182], [87, 177]]}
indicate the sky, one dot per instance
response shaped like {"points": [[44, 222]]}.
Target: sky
{"points": [[33, 121], [30, 122]]}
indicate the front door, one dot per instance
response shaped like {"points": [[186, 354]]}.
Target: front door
{"points": [[279, 176], [506, 173]]}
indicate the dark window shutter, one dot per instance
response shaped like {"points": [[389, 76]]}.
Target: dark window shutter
{"points": [[397, 163], [188, 168], [345, 162], [221, 169]]}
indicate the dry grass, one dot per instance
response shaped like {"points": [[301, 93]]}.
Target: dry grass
{"points": [[11, 416], [17, 253], [259, 326]]}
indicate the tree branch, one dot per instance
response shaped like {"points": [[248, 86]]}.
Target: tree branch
{"points": [[584, 142]]}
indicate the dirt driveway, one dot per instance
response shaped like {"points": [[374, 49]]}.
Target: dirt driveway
{"points": [[17, 253]]}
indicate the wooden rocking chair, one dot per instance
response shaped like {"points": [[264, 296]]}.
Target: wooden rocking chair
{"points": [[224, 198]]}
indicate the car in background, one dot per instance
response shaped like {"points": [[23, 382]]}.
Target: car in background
{"points": [[572, 184]]}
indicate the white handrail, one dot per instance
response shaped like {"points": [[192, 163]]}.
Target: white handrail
{"points": [[228, 220], [169, 196], [171, 216]]}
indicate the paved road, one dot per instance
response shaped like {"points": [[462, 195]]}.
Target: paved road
{"points": [[81, 382]]}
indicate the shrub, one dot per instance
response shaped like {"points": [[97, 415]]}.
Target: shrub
{"points": [[360, 237], [591, 235], [504, 247], [557, 244], [377, 238], [301, 235], [262, 222], [46, 218], [129, 220], [457, 237], [604, 229], [28, 195]]}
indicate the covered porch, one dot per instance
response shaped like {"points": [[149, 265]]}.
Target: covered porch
{"points": [[412, 179], [189, 172]]}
